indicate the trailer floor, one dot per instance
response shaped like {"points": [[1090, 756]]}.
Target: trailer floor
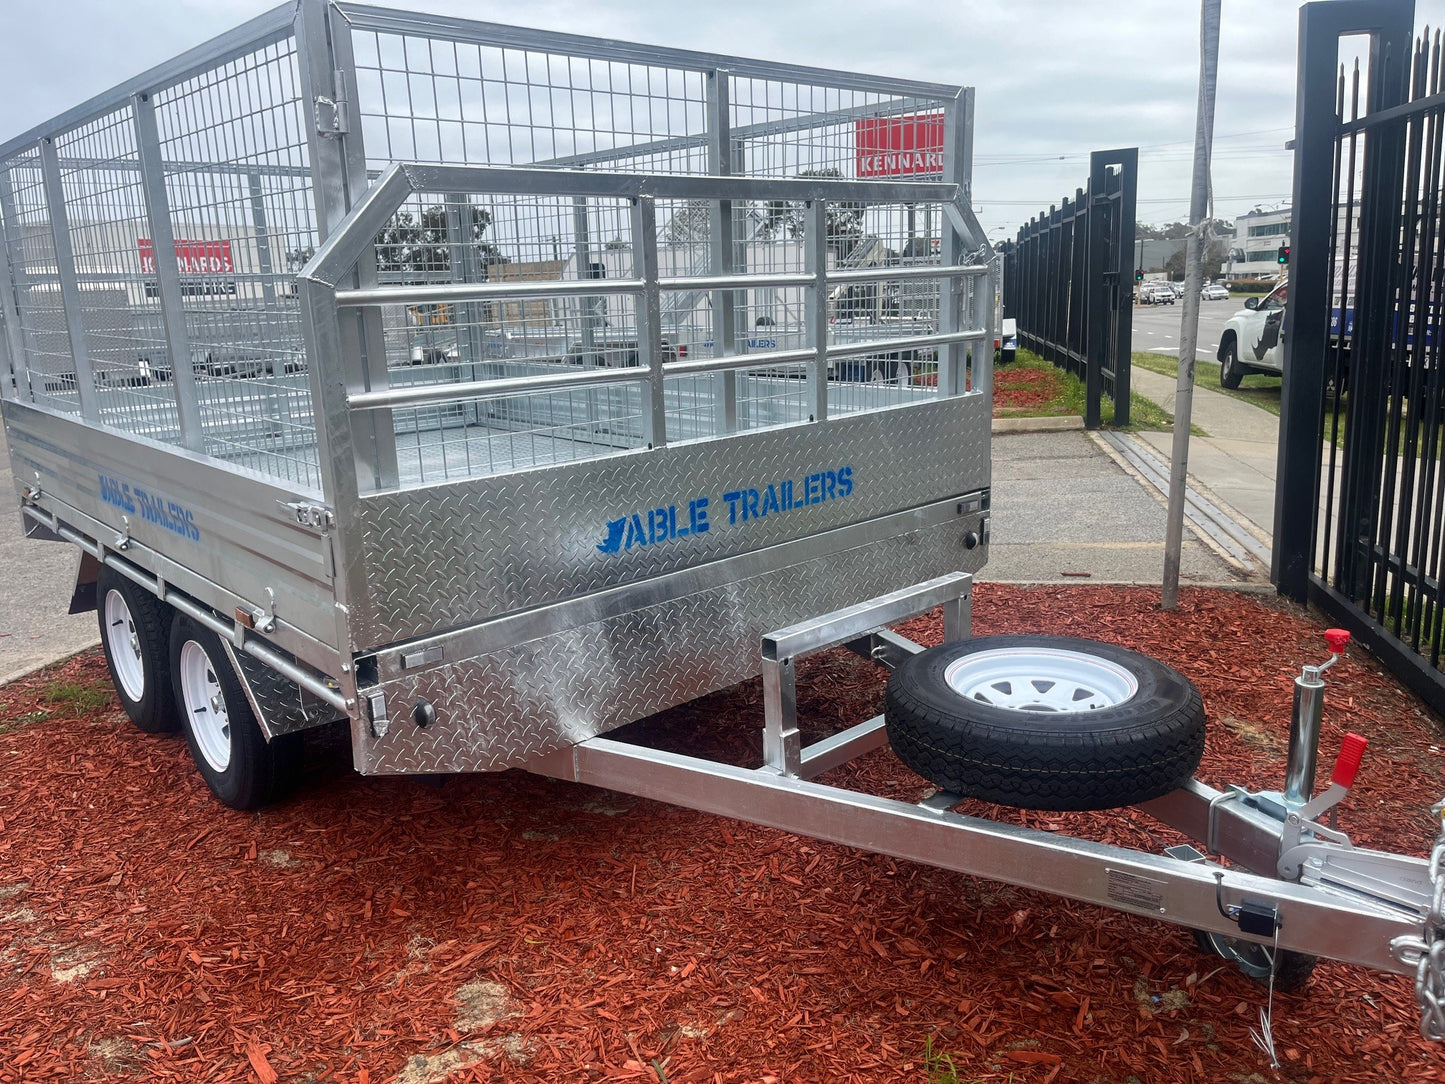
{"points": [[512, 928]]}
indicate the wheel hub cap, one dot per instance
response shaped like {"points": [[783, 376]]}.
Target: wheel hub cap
{"points": [[205, 706], [124, 643], [1041, 679]]}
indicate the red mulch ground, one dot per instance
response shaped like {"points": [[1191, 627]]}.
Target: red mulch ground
{"points": [[1018, 390], [511, 928]]}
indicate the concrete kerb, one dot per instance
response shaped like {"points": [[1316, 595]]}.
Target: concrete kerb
{"points": [[35, 668], [1038, 425]]}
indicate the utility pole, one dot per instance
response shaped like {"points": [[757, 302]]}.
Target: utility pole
{"points": [[1193, 274]]}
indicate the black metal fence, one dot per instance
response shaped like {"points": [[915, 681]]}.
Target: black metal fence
{"points": [[1068, 281], [1360, 506]]}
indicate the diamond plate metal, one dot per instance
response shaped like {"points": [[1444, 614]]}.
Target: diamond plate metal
{"points": [[507, 707], [281, 706], [452, 555]]}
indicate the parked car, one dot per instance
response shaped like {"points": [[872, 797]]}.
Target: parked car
{"points": [[1253, 339], [1007, 344], [618, 353], [1214, 292]]}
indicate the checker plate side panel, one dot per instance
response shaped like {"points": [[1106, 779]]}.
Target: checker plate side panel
{"points": [[454, 555], [506, 707]]}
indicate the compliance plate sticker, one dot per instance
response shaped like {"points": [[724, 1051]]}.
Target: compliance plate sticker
{"points": [[1132, 890]]}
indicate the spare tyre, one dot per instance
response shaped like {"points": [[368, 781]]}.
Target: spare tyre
{"points": [[1045, 722]]}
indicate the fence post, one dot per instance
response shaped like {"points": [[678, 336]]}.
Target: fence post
{"points": [[1306, 344], [1123, 311], [1096, 292]]}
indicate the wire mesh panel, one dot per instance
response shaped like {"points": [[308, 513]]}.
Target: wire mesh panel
{"points": [[530, 318], [203, 346], [40, 308], [120, 308], [428, 97], [239, 184]]}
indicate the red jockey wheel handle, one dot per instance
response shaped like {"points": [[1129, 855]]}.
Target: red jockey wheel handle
{"points": [[1337, 639]]}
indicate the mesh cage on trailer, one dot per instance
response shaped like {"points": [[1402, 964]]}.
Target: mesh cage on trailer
{"points": [[153, 235]]}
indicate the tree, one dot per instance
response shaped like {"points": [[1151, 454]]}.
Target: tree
{"points": [[1214, 257], [845, 217], [418, 248]]}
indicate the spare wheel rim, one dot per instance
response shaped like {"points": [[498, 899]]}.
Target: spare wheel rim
{"points": [[124, 643], [1045, 680], [205, 704]]}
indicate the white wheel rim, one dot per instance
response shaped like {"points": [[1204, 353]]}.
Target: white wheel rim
{"points": [[1041, 679], [205, 706], [124, 644]]}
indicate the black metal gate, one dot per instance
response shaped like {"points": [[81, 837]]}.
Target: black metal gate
{"points": [[1360, 507], [1067, 281]]}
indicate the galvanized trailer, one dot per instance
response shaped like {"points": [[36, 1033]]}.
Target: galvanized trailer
{"points": [[491, 388]]}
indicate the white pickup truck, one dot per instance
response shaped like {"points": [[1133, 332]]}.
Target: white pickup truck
{"points": [[1253, 339]]}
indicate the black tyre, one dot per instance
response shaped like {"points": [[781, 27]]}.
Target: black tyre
{"points": [[135, 633], [1292, 973], [242, 769], [1230, 371], [1045, 722]]}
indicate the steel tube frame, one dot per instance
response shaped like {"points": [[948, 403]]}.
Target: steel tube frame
{"points": [[649, 320], [69, 287], [783, 751], [14, 333], [421, 395], [168, 272], [509, 291], [386, 20], [232, 632], [1312, 920], [816, 318], [336, 261], [727, 304]]}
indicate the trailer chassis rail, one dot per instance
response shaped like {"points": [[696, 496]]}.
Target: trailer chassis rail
{"points": [[1350, 904]]}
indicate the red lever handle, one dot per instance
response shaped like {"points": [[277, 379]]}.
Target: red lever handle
{"points": [[1337, 639], [1347, 765]]}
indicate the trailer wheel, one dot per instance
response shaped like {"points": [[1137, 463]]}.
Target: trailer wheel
{"points": [[1045, 722], [133, 632], [242, 769], [1293, 972]]}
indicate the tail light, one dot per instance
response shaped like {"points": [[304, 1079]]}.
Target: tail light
{"points": [[682, 350]]}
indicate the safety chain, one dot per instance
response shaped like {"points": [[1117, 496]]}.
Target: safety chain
{"points": [[1427, 950]]}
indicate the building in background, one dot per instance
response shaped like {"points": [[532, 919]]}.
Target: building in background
{"points": [[1258, 236]]}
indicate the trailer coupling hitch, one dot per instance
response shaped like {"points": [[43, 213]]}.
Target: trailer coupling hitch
{"points": [[1303, 821]]}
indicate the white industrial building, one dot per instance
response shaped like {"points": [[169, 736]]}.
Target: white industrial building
{"points": [[1258, 235]]}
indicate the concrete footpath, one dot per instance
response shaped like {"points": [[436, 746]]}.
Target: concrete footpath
{"points": [[36, 580], [1235, 463], [1067, 509]]}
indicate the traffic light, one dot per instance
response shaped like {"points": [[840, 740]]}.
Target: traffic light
{"points": [[1284, 254], [1138, 276]]}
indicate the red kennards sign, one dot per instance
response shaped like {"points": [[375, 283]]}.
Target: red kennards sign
{"points": [[195, 257], [898, 146]]}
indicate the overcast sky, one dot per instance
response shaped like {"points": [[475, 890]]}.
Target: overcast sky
{"points": [[1055, 78]]}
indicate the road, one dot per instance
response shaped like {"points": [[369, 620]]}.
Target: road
{"points": [[1156, 327]]}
